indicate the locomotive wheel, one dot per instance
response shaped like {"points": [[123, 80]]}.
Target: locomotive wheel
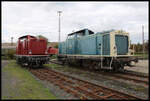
{"points": [[95, 65], [117, 66], [85, 64]]}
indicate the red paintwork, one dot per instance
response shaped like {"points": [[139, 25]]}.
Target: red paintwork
{"points": [[30, 45], [52, 50]]}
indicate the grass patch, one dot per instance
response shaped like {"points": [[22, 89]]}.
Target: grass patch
{"points": [[53, 56], [54, 66], [63, 68], [145, 55], [67, 68], [24, 86], [137, 88], [5, 57]]}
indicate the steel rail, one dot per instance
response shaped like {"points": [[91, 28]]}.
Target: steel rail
{"points": [[81, 88], [143, 79]]}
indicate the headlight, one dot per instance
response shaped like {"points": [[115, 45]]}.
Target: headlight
{"points": [[115, 49], [46, 52], [30, 52]]}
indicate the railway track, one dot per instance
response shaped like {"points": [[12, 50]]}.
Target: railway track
{"points": [[79, 88], [126, 75], [130, 77]]}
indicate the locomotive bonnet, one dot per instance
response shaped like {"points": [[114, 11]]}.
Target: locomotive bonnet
{"points": [[112, 43], [110, 47], [31, 51]]}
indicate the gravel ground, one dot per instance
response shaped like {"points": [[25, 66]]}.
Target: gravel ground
{"points": [[141, 66], [6, 88], [117, 85], [6, 80], [4, 63], [17, 85], [94, 78], [55, 90], [99, 79]]}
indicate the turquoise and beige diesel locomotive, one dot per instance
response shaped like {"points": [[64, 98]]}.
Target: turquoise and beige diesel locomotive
{"points": [[107, 49]]}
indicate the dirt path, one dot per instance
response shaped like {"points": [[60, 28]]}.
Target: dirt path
{"points": [[141, 66], [5, 81], [18, 83], [4, 63]]}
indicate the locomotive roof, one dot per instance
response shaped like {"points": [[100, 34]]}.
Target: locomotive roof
{"points": [[26, 36], [106, 31], [81, 31]]}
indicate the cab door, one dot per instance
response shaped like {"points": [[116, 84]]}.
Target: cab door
{"points": [[121, 44], [106, 44]]}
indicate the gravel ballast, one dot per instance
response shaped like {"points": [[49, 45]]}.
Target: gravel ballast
{"points": [[117, 85], [121, 85]]}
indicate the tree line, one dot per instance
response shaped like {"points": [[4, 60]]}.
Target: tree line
{"points": [[138, 48]]}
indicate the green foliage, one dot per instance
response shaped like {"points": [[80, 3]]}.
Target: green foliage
{"points": [[5, 57], [144, 56], [56, 46], [11, 53], [53, 56], [147, 46], [41, 36], [139, 47], [8, 53]]}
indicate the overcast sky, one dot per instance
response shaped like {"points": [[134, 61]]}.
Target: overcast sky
{"points": [[41, 18]]}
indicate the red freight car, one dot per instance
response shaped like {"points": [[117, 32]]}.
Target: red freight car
{"points": [[52, 51], [32, 51]]}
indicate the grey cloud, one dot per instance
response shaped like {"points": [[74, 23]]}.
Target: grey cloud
{"points": [[42, 17]]}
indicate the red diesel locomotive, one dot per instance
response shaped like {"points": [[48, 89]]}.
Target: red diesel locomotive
{"points": [[51, 51], [33, 51]]}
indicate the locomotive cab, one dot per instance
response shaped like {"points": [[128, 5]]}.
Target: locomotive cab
{"points": [[31, 51], [119, 41], [80, 33]]}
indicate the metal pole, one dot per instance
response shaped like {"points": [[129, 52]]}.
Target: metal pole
{"points": [[59, 12], [101, 54], [143, 38], [11, 41], [133, 49]]}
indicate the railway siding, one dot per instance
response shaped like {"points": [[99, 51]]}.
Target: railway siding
{"points": [[81, 86], [142, 66], [64, 91], [120, 85]]}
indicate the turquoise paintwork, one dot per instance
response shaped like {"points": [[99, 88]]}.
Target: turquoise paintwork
{"points": [[86, 44], [89, 43], [106, 44], [62, 47]]}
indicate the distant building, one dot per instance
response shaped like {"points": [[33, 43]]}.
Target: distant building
{"points": [[6, 47]]}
